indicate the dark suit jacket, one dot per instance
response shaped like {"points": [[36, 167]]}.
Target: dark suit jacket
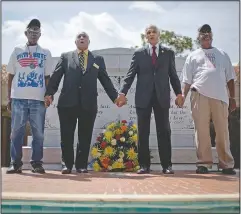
{"points": [[149, 77], [78, 87]]}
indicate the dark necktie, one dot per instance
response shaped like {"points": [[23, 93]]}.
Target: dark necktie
{"points": [[154, 56], [82, 61]]}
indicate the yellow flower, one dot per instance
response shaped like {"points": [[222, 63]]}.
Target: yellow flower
{"points": [[117, 165], [134, 138], [109, 151], [95, 152], [122, 139], [131, 154], [118, 131], [134, 126], [121, 155], [96, 166], [137, 167], [111, 126], [109, 168], [108, 135]]}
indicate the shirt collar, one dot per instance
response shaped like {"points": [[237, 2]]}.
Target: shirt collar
{"points": [[150, 46], [85, 51]]}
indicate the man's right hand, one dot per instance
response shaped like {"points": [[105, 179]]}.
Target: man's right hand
{"points": [[47, 101]]}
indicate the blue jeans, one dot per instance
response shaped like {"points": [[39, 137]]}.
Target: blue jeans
{"points": [[22, 111]]}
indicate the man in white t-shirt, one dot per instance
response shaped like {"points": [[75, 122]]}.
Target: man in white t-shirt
{"points": [[29, 70], [207, 72]]}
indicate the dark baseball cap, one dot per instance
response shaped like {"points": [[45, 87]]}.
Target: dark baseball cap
{"points": [[34, 23], [205, 29]]}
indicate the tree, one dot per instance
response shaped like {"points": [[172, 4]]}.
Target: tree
{"points": [[178, 43]]}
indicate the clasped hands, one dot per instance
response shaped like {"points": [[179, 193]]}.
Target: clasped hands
{"points": [[180, 99], [121, 100], [47, 101]]}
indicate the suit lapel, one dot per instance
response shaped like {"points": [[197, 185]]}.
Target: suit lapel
{"points": [[90, 61], [76, 58], [160, 58], [148, 53]]}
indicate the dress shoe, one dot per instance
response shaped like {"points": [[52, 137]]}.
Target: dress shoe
{"points": [[202, 170], [143, 170], [37, 168], [14, 168], [229, 171], [65, 170], [82, 170], [168, 170]]}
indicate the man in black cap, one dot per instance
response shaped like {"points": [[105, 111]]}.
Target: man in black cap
{"points": [[207, 72], [29, 70]]}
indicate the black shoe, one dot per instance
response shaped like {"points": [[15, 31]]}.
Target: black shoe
{"points": [[143, 170], [66, 170], [168, 170], [229, 171], [14, 168], [37, 168], [202, 170], [82, 170]]}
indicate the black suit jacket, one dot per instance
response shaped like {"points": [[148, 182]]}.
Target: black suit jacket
{"points": [[78, 87], [149, 76]]}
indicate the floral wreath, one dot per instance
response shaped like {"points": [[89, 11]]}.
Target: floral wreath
{"points": [[116, 148]]}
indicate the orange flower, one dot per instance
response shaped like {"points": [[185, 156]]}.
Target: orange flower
{"points": [[105, 162], [123, 128]]}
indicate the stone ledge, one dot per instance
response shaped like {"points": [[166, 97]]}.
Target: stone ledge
{"points": [[118, 197], [52, 155]]}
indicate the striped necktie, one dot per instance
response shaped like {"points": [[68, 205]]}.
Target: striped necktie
{"points": [[82, 61]]}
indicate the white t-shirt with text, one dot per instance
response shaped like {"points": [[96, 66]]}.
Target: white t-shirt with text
{"points": [[209, 70], [29, 65]]}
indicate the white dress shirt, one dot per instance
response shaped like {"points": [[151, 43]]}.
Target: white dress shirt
{"points": [[151, 50]]}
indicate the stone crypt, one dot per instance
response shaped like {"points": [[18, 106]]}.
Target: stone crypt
{"points": [[117, 63]]}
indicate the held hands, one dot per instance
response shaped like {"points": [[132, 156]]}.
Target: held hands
{"points": [[121, 100], [47, 101], [180, 100]]}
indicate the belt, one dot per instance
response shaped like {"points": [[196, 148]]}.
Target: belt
{"points": [[193, 89]]}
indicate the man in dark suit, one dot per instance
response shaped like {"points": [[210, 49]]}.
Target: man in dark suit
{"points": [[78, 100], [154, 66]]}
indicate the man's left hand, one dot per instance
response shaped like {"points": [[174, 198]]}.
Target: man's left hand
{"points": [[232, 104]]}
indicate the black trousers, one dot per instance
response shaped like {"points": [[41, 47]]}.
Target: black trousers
{"points": [[163, 132], [68, 117]]}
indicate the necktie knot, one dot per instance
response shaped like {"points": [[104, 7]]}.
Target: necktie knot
{"points": [[153, 48]]}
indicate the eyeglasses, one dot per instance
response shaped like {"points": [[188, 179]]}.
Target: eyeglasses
{"points": [[33, 31]]}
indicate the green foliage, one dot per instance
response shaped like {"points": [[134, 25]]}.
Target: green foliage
{"points": [[178, 43]]}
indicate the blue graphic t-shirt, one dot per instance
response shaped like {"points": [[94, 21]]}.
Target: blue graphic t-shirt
{"points": [[29, 65]]}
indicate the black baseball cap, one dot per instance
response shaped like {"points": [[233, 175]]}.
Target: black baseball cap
{"points": [[205, 29], [34, 23]]}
